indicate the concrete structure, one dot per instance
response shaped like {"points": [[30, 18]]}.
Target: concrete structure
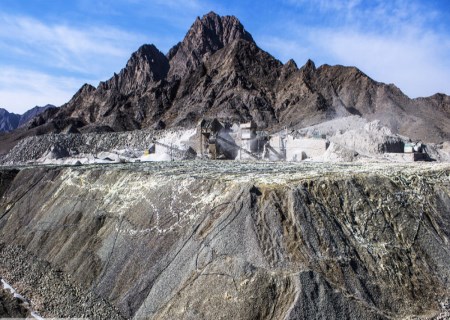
{"points": [[207, 131], [302, 148], [219, 140], [248, 141], [406, 157], [275, 150], [227, 141], [285, 146], [413, 147], [409, 148]]}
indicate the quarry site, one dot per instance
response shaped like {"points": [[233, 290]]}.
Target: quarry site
{"points": [[342, 220], [349, 139], [215, 182]]}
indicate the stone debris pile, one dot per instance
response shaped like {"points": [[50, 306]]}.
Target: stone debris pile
{"points": [[347, 139]]}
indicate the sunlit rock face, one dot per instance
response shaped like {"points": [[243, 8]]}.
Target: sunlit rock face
{"points": [[210, 240]]}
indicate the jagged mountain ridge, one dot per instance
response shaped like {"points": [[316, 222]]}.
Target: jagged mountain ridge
{"points": [[219, 71]]}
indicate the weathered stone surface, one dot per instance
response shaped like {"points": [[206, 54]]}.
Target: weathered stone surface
{"points": [[199, 240], [204, 38], [49, 289]]}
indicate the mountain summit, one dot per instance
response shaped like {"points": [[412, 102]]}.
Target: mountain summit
{"points": [[217, 70], [206, 36]]}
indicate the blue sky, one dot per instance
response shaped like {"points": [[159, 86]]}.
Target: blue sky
{"points": [[48, 49]]}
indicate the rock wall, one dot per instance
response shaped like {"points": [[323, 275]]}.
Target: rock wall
{"points": [[210, 240]]}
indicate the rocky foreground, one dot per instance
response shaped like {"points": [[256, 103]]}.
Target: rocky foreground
{"points": [[227, 240]]}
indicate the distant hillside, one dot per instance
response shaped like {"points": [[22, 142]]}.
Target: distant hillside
{"points": [[10, 121], [30, 114]]}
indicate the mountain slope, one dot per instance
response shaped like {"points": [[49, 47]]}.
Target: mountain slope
{"points": [[217, 70]]}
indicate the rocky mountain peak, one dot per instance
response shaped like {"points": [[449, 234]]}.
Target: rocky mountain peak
{"points": [[146, 65], [207, 35], [149, 58], [310, 65], [33, 112], [219, 31], [8, 121], [308, 69], [84, 90], [11, 121], [288, 69]]}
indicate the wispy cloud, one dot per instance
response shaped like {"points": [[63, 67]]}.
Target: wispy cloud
{"points": [[414, 62], [21, 89], [66, 47], [44, 63]]}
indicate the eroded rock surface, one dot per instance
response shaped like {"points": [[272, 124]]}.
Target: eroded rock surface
{"points": [[221, 240]]}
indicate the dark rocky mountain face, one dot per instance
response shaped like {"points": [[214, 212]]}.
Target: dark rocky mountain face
{"points": [[206, 36], [219, 71]]}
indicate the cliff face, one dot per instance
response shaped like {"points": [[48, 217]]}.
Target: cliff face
{"points": [[212, 240], [217, 70]]}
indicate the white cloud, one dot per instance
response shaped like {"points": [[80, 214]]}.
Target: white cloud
{"points": [[22, 89], [66, 47], [416, 63], [47, 63]]}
